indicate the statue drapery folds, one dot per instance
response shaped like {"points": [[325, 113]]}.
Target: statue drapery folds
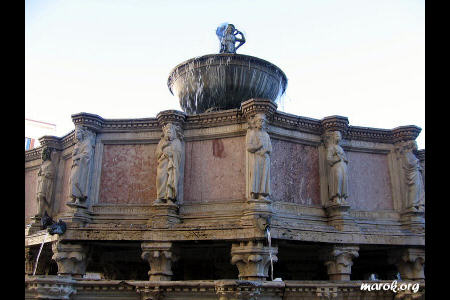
{"points": [[259, 148], [82, 155], [413, 177], [169, 154], [337, 168], [46, 177]]}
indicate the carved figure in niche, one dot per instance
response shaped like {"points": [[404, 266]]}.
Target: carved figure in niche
{"points": [[337, 168], [227, 35], [259, 148], [46, 177], [82, 155], [169, 155], [413, 177]]}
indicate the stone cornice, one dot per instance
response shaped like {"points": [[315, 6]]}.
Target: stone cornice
{"points": [[335, 123], [33, 154], [228, 117], [99, 124], [217, 118], [405, 133], [171, 116], [254, 106], [58, 143], [233, 288], [290, 121], [369, 134]]}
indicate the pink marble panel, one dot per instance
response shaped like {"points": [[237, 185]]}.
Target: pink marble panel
{"points": [[294, 173], [214, 170], [369, 185], [30, 192], [128, 174], [62, 194]]}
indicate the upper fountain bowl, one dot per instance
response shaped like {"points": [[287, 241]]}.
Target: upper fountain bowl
{"points": [[223, 81]]}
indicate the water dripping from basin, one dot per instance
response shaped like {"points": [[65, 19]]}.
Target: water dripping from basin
{"points": [[39, 253]]}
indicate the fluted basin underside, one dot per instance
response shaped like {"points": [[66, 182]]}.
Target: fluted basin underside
{"points": [[223, 81]]}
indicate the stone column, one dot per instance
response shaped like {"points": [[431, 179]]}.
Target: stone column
{"points": [[160, 256], [70, 258], [252, 259], [409, 262], [333, 189], [409, 190], [339, 261], [258, 208]]}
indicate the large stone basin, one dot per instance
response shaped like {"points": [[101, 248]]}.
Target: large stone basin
{"points": [[223, 81]]}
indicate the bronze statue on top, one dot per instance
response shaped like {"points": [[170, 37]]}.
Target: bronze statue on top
{"points": [[227, 35]]}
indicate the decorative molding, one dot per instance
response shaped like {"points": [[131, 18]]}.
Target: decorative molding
{"points": [[235, 116], [217, 289], [50, 141], [405, 133], [51, 287], [335, 123], [171, 116], [58, 143], [33, 154], [369, 134], [99, 124], [290, 121], [213, 119], [254, 106]]}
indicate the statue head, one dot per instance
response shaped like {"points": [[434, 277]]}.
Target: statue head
{"points": [[410, 146], [82, 133], [260, 121], [172, 131], [332, 138], [46, 153], [230, 29]]}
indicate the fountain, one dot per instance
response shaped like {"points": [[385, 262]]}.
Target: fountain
{"points": [[222, 81], [202, 204]]}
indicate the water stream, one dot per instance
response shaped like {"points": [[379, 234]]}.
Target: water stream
{"points": [[39, 253], [269, 240]]}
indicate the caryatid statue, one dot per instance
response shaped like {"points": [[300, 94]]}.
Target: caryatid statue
{"points": [[46, 177], [337, 168], [413, 177], [259, 147], [82, 155], [227, 35], [169, 172]]}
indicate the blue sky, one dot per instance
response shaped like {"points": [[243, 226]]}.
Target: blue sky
{"points": [[361, 59]]}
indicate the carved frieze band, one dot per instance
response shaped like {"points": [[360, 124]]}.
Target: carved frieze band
{"points": [[233, 116], [57, 143]]}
